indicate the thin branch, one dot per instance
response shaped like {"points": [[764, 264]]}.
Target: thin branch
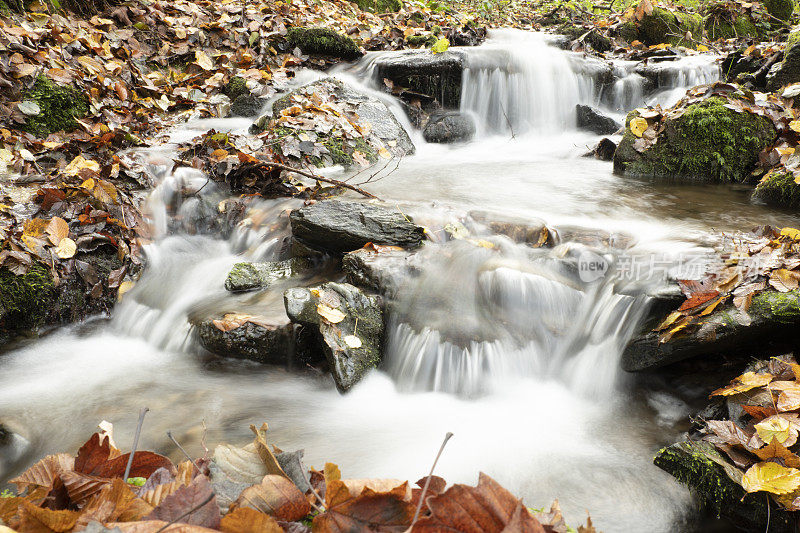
{"points": [[428, 480], [320, 178], [135, 443], [185, 453]]}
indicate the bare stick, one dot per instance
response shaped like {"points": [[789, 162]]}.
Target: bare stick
{"points": [[187, 513], [135, 442], [319, 178], [185, 453], [428, 481]]}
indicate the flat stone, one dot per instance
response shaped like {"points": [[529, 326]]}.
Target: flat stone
{"points": [[247, 276]]}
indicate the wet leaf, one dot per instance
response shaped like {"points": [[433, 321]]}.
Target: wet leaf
{"points": [[778, 428], [638, 125], [66, 248], [334, 316], [744, 383], [176, 505], [276, 496], [771, 477], [44, 472]]}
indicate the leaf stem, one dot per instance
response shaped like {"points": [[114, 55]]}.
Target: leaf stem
{"points": [[428, 480], [135, 443]]}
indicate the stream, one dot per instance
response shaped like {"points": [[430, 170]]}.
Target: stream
{"points": [[534, 397]]}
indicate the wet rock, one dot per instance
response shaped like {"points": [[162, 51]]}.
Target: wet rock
{"points": [[6, 436], [604, 150], [247, 105], [379, 6], [325, 42], [449, 128], [351, 332], [247, 276], [717, 483], [466, 36], [382, 272], [236, 87], [532, 231], [778, 188], [325, 141], [342, 226], [787, 71], [263, 342], [435, 75], [708, 142], [666, 26], [592, 120], [769, 324]]}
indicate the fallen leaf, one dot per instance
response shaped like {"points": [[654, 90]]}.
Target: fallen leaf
{"points": [[771, 477], [744, 383], [247, 520], [334, 316], [276, 496]]}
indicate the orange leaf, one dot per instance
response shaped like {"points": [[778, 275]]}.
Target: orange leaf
{"points": [[35, 519], [247, 520], [43, 473], [276, 496]]}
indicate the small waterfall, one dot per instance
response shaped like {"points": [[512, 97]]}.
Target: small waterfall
{"points": [[517, 83]]}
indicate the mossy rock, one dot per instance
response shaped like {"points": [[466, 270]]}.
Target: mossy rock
{"points": [[379, 6], [628, 31], [779, 189], [323, 41], [741, 27], [780, 9], [59, 106], [26, 300], [665, 26], [709, 142], [421, 40], [787, 71], [717, 485], [236, 87]]}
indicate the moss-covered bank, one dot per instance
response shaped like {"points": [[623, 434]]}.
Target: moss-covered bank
{"points": [[59, 106], [25, 299], [379, 6], [778, 188], [323, 41], [709, 142]]}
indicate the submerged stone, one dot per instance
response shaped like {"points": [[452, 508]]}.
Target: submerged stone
{"points": [[262, 342], [591, 119], [342, 226], [350, 327], [708, 142], [247, 276], [449, 128]]}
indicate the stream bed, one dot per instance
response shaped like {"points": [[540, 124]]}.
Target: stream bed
{"points": [[549, 417]]}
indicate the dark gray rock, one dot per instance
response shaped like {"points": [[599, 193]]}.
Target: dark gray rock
{"points": [[246, 105], [770, 319], [263, 342], [592, 120], [341, 226], [787, 71], [382, 272], [352, 343], [717, 484], [449, 128], [437, 76], [604, 150], [247, 276]]}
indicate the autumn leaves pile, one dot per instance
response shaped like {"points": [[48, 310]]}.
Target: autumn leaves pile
{"points": [[254, 489]]}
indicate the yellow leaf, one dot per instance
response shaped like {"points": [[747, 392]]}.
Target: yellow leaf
{"points": [[638, 125], [774, 427], [352, 341], [702, 48], [795, 125], [745, 382], [124, 287], [66, 248], [440, 46], [334, 316], [771, 477], [203, 60], [792, 233], [78, 164]]}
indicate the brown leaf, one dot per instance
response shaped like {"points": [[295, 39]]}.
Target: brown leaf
{"points": [[144, 464], [486, 507], [153, 526], [43, 473], [370, 511], [94, 453], [268, 458], [727, 432], [186, 498], [115, 502], [35, 519], [81, 487], [776, 450], [57, 230], [276, 496], [247, 520]]}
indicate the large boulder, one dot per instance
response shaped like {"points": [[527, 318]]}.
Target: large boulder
{"points": [[382, 271], [717, 484], [437, 76], [349, 324], [771, 319], [449, 128], [247, 276], [325, 42], [662, 25], [342, 226], [591, 119], [702, 141], [350, 128], [787, 71]]}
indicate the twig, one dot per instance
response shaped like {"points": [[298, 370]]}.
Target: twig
{"points": [[185, 453], [187, 513], [428, 481], [315, 493], [135, 443], [320, 178]]}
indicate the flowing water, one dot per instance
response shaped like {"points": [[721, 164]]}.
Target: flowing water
{"points": [[507, 348]]}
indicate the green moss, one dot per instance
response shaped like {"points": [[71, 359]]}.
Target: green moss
{"points": [[342, 154], [26, 299], [59, 107], [781, 307], [741, 27], [236, 87], [5, 11], [379, 6], [628, 31], [780, 9], [709, 142], [665, 26], [323, 41], [792, 39], [421, 40], [778, 188]]}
